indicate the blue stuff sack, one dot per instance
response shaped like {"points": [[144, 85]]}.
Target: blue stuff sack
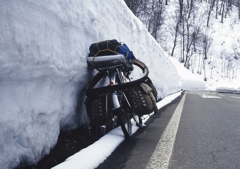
{"points": [[124, 50]]}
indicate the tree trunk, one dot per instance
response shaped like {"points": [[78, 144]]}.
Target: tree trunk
{"points": [[222, 10], [175, 38]]}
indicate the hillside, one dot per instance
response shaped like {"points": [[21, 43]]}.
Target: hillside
{"points": [[206, 33]]}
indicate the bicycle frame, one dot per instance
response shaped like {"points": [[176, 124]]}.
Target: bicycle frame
{"points": [[115, 69], [112, 81]]}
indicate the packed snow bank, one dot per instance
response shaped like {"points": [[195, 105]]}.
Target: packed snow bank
{"points": [[189, 80], [43, 70], [227, 86]]}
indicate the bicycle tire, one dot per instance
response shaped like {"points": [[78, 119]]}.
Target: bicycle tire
{"points": [[125, 123]]}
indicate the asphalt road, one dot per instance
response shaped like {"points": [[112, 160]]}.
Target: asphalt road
{"points": [[199, 130]]}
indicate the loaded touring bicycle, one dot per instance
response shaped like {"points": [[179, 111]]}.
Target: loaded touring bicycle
{"points": [[116, 103]]}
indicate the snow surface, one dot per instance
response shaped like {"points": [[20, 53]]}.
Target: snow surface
{"points": [[43, 70], [188, 80]]}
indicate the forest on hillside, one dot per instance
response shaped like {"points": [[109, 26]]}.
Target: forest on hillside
{"points": [[201, 34]]}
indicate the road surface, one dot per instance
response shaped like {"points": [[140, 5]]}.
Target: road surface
{"points": [[199, 130]]}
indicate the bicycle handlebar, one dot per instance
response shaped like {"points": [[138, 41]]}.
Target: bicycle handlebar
{"points": [[93, 91]]}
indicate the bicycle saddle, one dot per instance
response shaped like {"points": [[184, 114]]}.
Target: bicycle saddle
{"points": [[105, 62]]}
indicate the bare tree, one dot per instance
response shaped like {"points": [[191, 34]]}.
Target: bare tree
{"points": [[175, 37], [189, 30], [216, 15], [210, 9], [156, 17], [179, 21], [150, 12], [222, 9], [137, 7], [238, 5], [166, 2], [236, 50], [191, 44], [206, 41]]}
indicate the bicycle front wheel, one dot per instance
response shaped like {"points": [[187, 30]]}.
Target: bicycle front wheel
{"points": [[125, 123]]}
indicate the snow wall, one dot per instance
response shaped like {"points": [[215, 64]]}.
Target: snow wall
{"points": [[43, 70]]}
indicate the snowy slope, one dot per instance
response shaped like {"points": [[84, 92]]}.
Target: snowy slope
{"points": [[43, 70], [188, 79], [222, 65]]}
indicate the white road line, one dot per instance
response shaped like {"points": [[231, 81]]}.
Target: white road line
{"points": [[235, 97], [163, 151], [209, 96]]}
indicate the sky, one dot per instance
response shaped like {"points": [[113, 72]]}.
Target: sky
{"points": [[43, 70]]}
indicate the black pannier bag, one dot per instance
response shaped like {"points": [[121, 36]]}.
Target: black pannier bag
{"points": [[96, 109], [143, 98]]}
